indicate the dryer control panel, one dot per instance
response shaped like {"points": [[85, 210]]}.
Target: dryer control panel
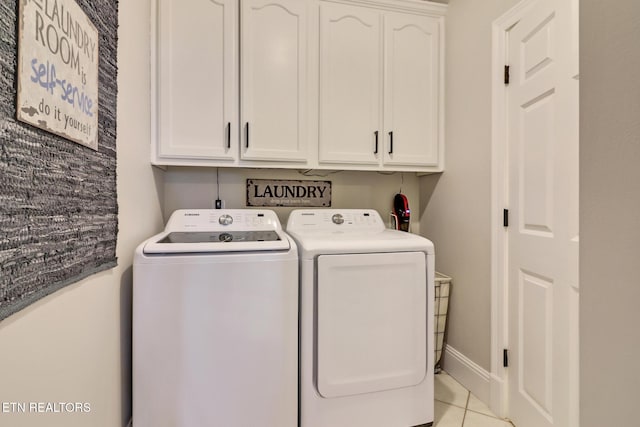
{"points": [[331, 220]]}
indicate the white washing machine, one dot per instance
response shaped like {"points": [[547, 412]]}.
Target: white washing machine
{"points": [[215, 322], [366, 321]]}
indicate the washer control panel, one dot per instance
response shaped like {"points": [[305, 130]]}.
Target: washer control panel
{"points": [[223, 220]]}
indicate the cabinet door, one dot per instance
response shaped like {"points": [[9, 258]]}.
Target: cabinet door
{"points": [[196, 79], [274, 80], [350, 84], [411, 114]]}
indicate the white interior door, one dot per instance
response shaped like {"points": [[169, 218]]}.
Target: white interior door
{"points": [[542, 254]]}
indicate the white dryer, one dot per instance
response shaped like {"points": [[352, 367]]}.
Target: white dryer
{"points": [[366, 321], [215, 322]]}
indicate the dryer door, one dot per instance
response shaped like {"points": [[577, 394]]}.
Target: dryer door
{"points": [[371, 322]]}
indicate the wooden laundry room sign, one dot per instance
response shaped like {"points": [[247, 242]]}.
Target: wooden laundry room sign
{"points": [[290, 193], [58, 70]]}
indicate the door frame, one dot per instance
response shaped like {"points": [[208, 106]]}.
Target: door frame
{"points": [[499, 384]]}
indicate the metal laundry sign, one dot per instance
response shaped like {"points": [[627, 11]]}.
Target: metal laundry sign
{"points": [[290, 193]]}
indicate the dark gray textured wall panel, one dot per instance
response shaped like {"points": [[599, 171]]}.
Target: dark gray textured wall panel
{"points": [[58, 204]]}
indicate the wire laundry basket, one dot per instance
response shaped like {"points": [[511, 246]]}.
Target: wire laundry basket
{"points": [[441, 305]]}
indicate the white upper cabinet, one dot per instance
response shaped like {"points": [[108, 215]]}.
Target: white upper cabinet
{"points": [[308, 84], [274, 80], [196, 81], [202, 115], [350, 84], [411, 90], [380, 91]]}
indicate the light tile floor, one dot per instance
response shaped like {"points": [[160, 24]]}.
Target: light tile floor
{"points": [[455, 406]]}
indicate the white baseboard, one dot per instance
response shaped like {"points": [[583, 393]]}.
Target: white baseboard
{"points": [[468, 373]]}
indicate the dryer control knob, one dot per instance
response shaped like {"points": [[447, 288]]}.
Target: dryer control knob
{"points": [[225, 219], [337, 219]]}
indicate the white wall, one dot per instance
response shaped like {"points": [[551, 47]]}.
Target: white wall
{"points": [[455, 205], [196, 188], [609, 212], [74, 345]]}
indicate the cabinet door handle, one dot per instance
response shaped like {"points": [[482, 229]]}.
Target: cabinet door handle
{"points": [[391, 142], [375, 151], [228, 134], [247, 130]]}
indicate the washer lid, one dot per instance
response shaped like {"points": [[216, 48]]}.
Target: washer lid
{"points": [[219, 230], [174, 243], [177, 237]]}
